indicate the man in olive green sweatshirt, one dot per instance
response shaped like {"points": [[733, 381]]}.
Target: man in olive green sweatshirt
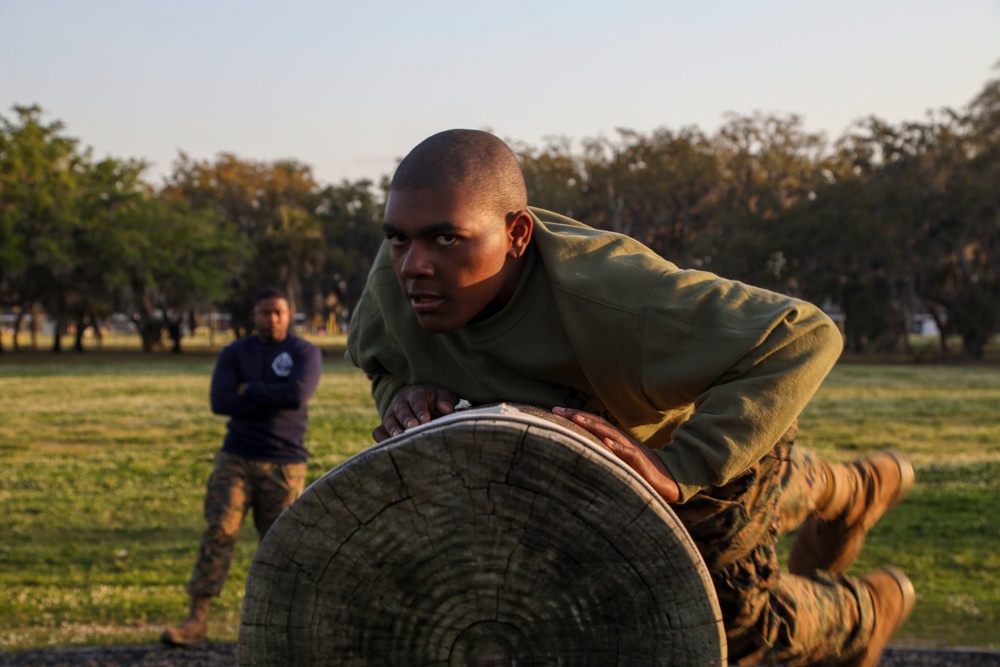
{"points": [[693, 380]]}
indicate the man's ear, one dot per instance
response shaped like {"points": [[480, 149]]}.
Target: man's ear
{"points": [[519, 228]]}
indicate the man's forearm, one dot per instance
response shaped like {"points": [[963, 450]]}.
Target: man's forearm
{"points": [[230, 403]]}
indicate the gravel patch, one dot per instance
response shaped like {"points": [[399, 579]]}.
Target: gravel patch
{"points": [[224, 655], [206, 655]]}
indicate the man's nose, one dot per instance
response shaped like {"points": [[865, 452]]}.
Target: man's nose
{"points": [[416, 262]]}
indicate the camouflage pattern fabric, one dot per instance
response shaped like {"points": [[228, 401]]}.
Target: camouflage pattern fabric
{"points": [[773, 617], [235, 486]]}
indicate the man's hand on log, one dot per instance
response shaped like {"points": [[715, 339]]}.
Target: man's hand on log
{"points": [[636, 455], [414, 406]]}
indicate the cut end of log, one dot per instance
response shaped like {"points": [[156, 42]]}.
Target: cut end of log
{"points": [[502, 535]]}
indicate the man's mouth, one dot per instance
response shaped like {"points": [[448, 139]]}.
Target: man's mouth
{"points": [[423, 302]]}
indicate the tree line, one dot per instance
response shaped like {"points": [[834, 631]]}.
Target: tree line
{"points": [[884, 224], [82, 239]]}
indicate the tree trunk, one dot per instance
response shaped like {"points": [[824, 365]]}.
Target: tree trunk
{"points": [[95, 323], [501, 535], [175, 332], [150, 332], [33, 328], [943, 333], [974, 344], [81, 327], [17, 330], [57, 331]]}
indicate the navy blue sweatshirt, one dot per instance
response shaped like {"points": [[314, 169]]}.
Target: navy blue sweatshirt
{"points": [[267, 423]]}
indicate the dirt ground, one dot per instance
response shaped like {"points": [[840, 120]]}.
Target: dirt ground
{"points": [[224, 655]]}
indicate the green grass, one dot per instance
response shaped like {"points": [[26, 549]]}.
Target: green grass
{"points": [[945, 534], [103, 463], [104, 456]]}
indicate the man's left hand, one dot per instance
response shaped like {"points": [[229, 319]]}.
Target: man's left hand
{"points": [[636, 455]]}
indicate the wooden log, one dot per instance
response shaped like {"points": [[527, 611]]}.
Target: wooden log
{"points": [[502, 535]]}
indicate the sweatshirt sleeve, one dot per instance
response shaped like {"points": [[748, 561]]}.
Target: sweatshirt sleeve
{"points": [[225, 379], [370, 347], [751, 360], [384, 385]]}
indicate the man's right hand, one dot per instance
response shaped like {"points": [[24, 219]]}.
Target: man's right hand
{"points": [[414, 406]]}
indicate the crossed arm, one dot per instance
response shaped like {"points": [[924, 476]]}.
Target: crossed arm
{"points": [[231, 394]]}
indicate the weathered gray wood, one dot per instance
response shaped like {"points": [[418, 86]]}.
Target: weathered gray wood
{"points": [[494, 536]]}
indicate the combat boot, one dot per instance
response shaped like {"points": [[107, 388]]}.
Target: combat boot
{"points": [[856, 496], [893, 598], [192, 629]]}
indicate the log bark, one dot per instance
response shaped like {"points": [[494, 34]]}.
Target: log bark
{"points": [[502, 535]]}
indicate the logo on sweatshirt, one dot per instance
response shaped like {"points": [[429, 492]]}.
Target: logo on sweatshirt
{"points": [[282, 365]]}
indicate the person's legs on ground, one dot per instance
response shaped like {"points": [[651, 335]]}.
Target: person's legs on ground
{"points": [[867, 489], [793, 620], [797, 612], [276, 486], [770, 617], [193, 628], [227, 499]]}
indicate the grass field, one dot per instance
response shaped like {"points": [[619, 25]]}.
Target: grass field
{"points": [[104, 456]]}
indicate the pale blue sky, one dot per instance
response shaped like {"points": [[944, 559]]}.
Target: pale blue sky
{"points": [[349, 87]]}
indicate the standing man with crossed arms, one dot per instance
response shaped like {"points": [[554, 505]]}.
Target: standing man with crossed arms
{"points": [[263, 382]]}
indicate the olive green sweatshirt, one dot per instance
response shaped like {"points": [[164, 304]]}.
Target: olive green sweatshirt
{"points": [[708, 372]]}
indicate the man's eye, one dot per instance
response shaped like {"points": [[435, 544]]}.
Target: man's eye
{"points": [[445, 239], [395, 239]]}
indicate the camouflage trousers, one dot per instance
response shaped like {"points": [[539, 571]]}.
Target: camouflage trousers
{"points": [[235, 486], [773, 617]]}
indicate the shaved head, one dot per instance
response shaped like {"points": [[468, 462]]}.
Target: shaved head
{"points": [[475, 162]]}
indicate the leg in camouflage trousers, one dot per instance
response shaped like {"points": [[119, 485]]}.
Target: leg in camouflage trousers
{"points": [[235, 485], [770, 616]]}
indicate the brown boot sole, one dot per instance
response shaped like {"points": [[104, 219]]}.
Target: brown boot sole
{"points": [[909, 593], [907, 479], [171, 638]]}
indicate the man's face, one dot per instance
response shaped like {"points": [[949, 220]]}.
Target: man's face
{"points": [[271, 317], [450, 257]]}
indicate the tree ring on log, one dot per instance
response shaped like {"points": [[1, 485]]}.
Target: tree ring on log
{"points": [[490, 643], [501, 535]]}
